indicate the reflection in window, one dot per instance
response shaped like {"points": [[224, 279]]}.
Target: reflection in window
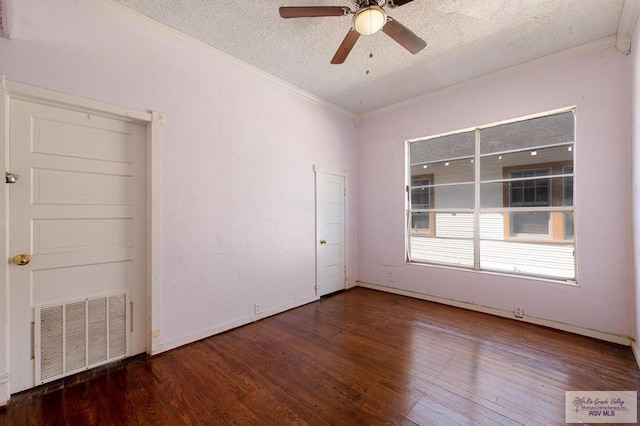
{"points": [[527, 189], [421, 195], [567, 200], [497, 198]]}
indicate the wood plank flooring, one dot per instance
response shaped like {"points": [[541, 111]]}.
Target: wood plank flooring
{"points": [[360, 357]]}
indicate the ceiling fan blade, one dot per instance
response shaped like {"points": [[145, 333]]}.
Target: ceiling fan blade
{"points": [[313, 11], [404, 36], [345, 47], [397, 3]]}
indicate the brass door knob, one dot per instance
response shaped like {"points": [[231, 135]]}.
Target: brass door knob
{"points": [[22, 259]]}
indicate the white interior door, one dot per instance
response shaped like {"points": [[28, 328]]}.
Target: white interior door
{"points": [[78, 209], [330, 222]]}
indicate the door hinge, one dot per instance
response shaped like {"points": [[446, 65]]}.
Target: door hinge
{"points": [[10, 177], [131, 317], [33, 339]]}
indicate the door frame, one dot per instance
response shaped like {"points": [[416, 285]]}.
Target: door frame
{"points": [[345, 176], [153, 122]]}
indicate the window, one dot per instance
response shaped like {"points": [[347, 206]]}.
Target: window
{"points": [[497, 198]]}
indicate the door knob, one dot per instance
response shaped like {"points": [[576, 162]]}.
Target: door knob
{"points": [[323, 241], [22, 259]]}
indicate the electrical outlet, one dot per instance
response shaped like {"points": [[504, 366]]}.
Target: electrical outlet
{"points": [[257, 309], [518, 312]]}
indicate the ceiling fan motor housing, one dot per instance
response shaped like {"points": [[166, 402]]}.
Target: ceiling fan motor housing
{"points": [[362, 4]]}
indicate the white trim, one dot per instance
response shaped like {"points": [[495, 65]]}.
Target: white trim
{"points": [[247, 319], [51, 97], [628, 19], [318, 169], [154, 220], [4, 389], [352, 284], [477, 208], [596, 334], [153, 122], [512, 120], [4, 248], [345, 215], [636, 351], [575, 52], [140, 19]]}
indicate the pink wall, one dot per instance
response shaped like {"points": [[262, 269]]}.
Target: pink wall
{"points": [[635, 138], [598, 84], [238, 151]]}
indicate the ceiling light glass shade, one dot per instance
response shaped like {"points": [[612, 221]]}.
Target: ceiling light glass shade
{"points": [[369, 20]]}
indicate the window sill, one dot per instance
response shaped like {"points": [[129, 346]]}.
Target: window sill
{"points": [[571, 282], [423, 234], [536, 240]]}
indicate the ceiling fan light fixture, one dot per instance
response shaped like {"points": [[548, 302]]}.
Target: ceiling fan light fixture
{"points": [[369, 20]]}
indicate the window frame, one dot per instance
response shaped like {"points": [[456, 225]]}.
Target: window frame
{"points": [[564, 201], [562, 209]]}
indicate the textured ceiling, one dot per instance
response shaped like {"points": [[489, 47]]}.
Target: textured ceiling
{"points": [[465, 39]]}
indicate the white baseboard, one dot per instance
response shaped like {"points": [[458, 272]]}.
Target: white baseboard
{"points": [[4, 389], [608, 337], [203, 334], [636, 351]]}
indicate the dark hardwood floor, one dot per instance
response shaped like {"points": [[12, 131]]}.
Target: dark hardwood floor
{"points": [[360, 357]]}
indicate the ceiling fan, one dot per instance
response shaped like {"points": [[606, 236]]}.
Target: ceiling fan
{"points": [[369, 17]]}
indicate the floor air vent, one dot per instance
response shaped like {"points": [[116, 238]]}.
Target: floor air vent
{"points": [[79, 335]]}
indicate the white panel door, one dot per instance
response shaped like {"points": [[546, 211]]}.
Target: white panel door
{"points": [[330, 244], [78, 209]]}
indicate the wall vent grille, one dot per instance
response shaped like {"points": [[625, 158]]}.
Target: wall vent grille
{"points": [[80, 335]]}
